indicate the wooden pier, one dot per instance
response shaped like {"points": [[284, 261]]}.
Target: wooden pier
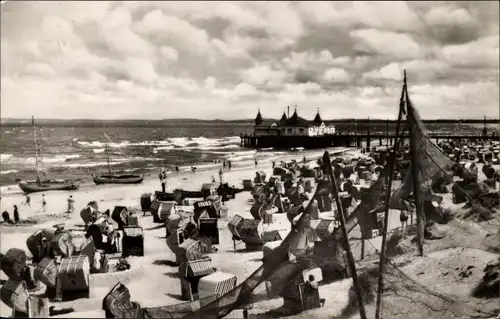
{"points": [[348, 139]]}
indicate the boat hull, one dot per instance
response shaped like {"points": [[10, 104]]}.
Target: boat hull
{"points": [[117, 179], [48, 185]]}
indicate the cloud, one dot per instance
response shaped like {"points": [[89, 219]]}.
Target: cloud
{"points": [[423, 69], [481, 53], [336, 75], [226, 59], [264, 75], [387, 43]]}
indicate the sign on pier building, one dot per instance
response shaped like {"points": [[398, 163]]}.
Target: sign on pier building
{"points": [[293, 126]]}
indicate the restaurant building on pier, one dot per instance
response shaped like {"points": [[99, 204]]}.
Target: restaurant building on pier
{"points": [[292, 126]]}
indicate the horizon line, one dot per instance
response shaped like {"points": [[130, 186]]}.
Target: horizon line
{"points": [[490, 119]]}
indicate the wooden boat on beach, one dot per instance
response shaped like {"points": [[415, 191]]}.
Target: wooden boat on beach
{"points": [[39, 185], [117, 179], [111, 178], [32, 186]]}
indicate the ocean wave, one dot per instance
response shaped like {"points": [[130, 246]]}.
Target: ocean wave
{"points": [[240, 152], [54, 159], [113, 162], [193, 143], [10, 189], [10, 171], [4, 157], [98, 150], [163, 148]]}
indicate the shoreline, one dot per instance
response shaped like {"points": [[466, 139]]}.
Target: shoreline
{"points": [[129, 195], [13, 189]]}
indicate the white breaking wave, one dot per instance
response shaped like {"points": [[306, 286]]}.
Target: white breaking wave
{"points": [[5, 157], [201, 143], [116, 161], [54, 159], [10, 171]]}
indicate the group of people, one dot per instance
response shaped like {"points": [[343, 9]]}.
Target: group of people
{"points": [[163, 173], [6, 216]]}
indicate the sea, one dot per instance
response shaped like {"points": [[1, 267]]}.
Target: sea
{"points": [[77, 151]]}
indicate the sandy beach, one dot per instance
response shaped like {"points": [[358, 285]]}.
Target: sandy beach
{"points": [[148, 271], [153, 281]]}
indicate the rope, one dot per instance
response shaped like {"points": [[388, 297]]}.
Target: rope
{"points": [[52, 146], [427, 289], [122, 151]]}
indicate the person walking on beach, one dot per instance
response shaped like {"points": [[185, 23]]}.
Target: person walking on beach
{"points": [[44, 203], [163, 179], [28, 200], [229, 164], [274, 164], [71, 204], [304, 160], [256, 163], [177, 169], [224, 164], [16, 215]]}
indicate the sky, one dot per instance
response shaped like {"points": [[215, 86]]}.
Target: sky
{"points": [[225, 60]]}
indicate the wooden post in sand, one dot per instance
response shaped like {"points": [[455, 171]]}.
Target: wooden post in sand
{"points": [[352, 267], [362, 245]]}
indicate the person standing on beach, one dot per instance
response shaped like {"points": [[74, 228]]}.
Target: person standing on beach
{"points": [[229, 164], [256, 163], [163, 179], [71, 204], [224, 164], [44, 203], [28, 200], [16, 215], [177, 169], [304, 160]]}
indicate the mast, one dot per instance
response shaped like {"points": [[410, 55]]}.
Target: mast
{"points": [[36, 149], [416, 181], [109, 164], [328, 165], [389, 178]]}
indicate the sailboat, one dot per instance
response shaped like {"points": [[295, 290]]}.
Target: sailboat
{"points": [[111, 178], [39, 185]]}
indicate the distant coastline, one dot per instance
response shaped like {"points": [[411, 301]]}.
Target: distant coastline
{"points": [[11, 122]]}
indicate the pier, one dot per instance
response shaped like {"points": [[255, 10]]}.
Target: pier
{"points": [[348, 139]]}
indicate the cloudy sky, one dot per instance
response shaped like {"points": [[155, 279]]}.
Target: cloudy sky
{"points": [[207, 60]]}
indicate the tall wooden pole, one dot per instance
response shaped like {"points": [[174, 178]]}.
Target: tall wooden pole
{"points": [[36, 150], [350, 258], [387, 132], [416, 182], [389, 177]]}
